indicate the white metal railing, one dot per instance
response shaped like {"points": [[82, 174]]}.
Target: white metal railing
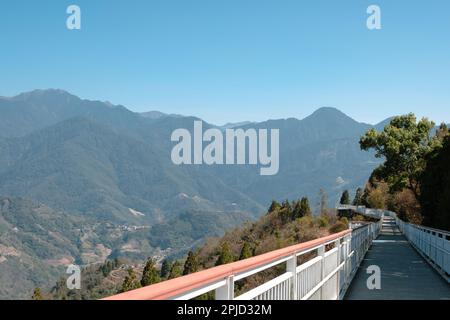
{"points": [[324, 277], [316, 278], [368, 212], [432, 244], [333, 261]]}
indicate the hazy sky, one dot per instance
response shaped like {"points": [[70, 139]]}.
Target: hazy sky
{"points": [[234, 60]]}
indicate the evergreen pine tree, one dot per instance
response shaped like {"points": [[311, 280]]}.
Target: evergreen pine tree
{"points": [[176, 270], [286, 205], [304, 205], [106, 268], [274, 206], [246, 251], [358, 200], [286, 212], [165, 268], [345, 198], [225, 256], [130, 282], [191, 264], [150, 275], [297, 211]]}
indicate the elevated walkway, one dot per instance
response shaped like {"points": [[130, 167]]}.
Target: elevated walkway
{"points": [[404, 272], [414, 263]]}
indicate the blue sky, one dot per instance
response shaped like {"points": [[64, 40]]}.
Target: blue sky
{"points": [[234, 60]]}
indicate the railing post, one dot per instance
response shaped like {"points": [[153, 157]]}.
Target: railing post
{"points": [[321, 252], [226, 292], [291, 266], [338, 274], [348, 250], [349, 260], [367, 240], [345, 254]]}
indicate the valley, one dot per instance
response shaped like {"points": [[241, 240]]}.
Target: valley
{"points": [[84, 181]]}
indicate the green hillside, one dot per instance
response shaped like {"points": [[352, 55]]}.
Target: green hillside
{"points": [[107, 171]]}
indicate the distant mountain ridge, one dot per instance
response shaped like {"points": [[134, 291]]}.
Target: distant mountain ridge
{"points": [[40, 108], [157, 115], [230, 125], [335, 132]]}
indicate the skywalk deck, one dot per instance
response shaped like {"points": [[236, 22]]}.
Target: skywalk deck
{"points": [[404, 272]]}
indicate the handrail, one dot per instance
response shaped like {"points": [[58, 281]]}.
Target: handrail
{"points": [[215, 276], [432, 244], [325, 276], [429, 229]]}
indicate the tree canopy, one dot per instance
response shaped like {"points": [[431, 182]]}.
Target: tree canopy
{"points": [[150, 275], [176, 270], [404, 144], [165, 268], [345, 198], [435, 188], [130, 282], [274, 206], [191, 264], [246, 251], [226, 255], [301, 208], [358, 200]]}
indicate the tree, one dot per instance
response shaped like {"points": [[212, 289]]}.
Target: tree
{"points": [[345, 198], [301, 208], [377, 197], [286, 205], [435, 192], [406, 206], [442, 132], [165, 268], [246, 251], [150, 275], [274, 206], [191, 264], [404, 144], [286, 212], [106, 268], [116, 263], [358, 200], [176, 270], [323, 202], [37, 294], [297, 211], [130, 282], [225, 256], [305, 208]]}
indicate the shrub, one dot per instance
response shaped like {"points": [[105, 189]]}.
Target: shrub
{"points": [[322, 221], [344, 220], [338, 227]]}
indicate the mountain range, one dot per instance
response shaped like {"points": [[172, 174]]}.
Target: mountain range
{"points": [[100, 163]]}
